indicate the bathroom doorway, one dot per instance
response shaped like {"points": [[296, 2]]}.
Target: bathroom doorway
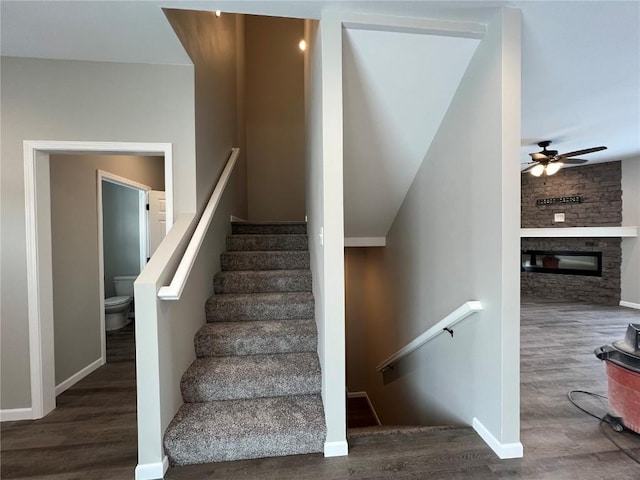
{"points": [[131, 223]]}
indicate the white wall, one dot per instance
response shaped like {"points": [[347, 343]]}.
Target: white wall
{"points": [[325, 218], [76, 100], [631, 246], [275, 118], [456, 238]]}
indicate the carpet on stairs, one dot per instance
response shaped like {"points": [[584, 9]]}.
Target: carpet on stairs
{"points": [[254, 388]]}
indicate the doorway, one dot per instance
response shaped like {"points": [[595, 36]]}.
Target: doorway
{"points": [[39, 250]]}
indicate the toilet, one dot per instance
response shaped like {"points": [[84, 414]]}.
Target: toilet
{"points": [[117, 309]]}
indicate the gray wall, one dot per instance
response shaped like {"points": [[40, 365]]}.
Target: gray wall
{"points": [[77, 100], [121, 233], [74, 238], [631, 217], [210, 42], [455, 238], [275, 118]]}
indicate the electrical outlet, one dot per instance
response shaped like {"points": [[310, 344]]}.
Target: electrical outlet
{"points": [[558, 217]]}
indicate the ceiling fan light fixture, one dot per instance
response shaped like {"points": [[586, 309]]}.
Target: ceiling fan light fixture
{"points": [[537, 170], [553, 168]]}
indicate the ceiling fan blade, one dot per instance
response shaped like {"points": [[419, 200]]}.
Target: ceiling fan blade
{"points": [[573, 161], [581, 152], [538, 156]]}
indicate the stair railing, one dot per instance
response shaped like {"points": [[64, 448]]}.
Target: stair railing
{"points": [[444, 325], [173, 291]]}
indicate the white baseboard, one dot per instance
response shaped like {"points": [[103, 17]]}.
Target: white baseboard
{"points": [[14, 414], [152, 471], [237, 219], [503, 450], [364, 394], [335, 449], [76, 377], [630, 304]]}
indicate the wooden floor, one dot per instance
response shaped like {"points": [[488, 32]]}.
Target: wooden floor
{"points": [[92, 433], [359, 413]]}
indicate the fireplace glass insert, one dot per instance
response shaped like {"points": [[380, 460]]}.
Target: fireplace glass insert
{"points": [[565, 263]]}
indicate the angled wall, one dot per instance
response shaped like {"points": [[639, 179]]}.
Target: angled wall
{"points": [[454, 239]]}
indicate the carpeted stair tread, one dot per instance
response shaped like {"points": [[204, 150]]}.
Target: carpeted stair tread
{"points": [[236, 307], [265, 260], [262, 281], [268, 228], [230, 378], [267, 242], [254, 428], [256, 338]]}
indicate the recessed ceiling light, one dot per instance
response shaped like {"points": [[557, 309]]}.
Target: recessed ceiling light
{"points": [[218, 13]]}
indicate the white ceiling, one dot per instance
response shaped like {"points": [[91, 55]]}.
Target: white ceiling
{"points": [[387, 128], [580, 59]]}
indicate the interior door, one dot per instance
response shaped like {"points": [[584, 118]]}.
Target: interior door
{"points": [[157, 219]]}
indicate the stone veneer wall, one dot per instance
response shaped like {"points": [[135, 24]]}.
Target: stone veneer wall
{"points": [[600, 187]]}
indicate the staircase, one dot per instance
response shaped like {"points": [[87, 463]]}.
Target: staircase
{"points": [[254, 389]]}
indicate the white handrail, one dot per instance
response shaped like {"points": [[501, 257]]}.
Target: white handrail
{"points": [[447, 322], [174, 290]]}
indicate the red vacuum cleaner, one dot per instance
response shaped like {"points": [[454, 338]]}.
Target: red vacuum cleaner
{"points": [[623, 373]]}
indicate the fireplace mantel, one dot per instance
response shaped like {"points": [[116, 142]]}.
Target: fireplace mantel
{"points": [[564, 232]]}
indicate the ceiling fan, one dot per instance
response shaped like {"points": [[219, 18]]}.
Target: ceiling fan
{"points": [[549, 161]]}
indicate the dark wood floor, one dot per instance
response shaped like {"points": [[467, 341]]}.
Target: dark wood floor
{"points": [[359, 413], [91, 435]]}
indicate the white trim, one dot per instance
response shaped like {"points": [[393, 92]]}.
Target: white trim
{"points": [[38, 249], [336, 449], [76, 377], [449, 321], [15, 414], [174, 290], [630, 304], [237, 219], [564, 232], [424, 26], [503, 450], [365, 242], [152, 471], [363, 394]]}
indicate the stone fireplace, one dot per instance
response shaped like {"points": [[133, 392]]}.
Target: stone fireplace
{"points": [[603, 288], [586, 196]]}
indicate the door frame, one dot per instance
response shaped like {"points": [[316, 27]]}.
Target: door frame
{"points": [[143, 192], [39, 253]]}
